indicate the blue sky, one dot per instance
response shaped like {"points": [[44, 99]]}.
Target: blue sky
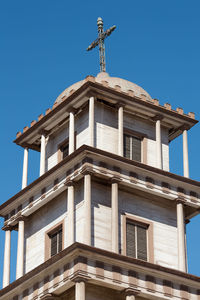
{"points": [[43, 51]]}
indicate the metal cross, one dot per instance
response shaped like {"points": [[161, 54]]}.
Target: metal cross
{"points": [[100, 41]]}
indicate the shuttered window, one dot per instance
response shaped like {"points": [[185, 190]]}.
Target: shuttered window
{"points": [[136, 240], [132, 147], [56, 241], [65, 150]]}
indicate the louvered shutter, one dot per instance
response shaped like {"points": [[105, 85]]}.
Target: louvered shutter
{"points": [[65, 150], [130, 240], [127, 146], [136, 149], [53, 238], [60, 240], [141, 242]]}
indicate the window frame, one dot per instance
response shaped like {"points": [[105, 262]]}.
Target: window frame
{"points": [[62, 144], [52, 230], [145, 223], [142, 137]]}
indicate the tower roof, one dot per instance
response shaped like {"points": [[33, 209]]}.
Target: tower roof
{"points": [[113, 82]]}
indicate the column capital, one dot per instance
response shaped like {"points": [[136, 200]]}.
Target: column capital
{"points": [[86, 170], [181, 200], [79, 277], [72, 110], [91, 94], [120, 104], [69, 182], [131, 291], [157, 117], [25, 146], [115, 179], [49, 296], [43, 132], [7, 228], [185, 127]]}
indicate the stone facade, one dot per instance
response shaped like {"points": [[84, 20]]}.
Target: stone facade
{"points": [[92, 193]]}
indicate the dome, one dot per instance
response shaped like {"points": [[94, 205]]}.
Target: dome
{"points": [[113, 82]]}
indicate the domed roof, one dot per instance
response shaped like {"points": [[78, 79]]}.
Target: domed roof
{"points": [[113, 82]]}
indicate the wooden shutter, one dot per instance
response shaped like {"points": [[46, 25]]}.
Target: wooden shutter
{"points": [[127, 146], [60, 240], [53, 238], [56, 241], [136, 149], [141, 242], [130, 239], [65, 150]]}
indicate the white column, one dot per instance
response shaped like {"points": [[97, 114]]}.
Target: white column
{"points": [[87, 199], [120, 131], [91, 121], [6, 266], [42, 154], [20, 250], [70, 227], [71, 132], [130, 297], [181, 237], [25, 168], [80, 290], [158, 144], [114, 213], [185, 154]]}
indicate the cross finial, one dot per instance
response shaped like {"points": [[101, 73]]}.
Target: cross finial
{"points": [[100, 41]]}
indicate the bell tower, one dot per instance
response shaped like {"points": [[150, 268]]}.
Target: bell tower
{"points": [[105, 218]]}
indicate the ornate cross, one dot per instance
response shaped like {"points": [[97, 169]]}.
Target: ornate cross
{"points": [[100, 41]]}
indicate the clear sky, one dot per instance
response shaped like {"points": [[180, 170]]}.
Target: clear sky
{"points": [[43, 51]]}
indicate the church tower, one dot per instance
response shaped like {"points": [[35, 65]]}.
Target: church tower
{"points": [[105, 219]]}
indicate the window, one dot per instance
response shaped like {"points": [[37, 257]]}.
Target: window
{"points": [[63, 150], [54, 240], [132, 147], [138, 238]]}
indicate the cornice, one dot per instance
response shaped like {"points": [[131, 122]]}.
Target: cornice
{"points": [[77, 249], [87, 150], [93, 87]]}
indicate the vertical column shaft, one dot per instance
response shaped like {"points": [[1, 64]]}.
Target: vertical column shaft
{"points": [[80, 290], [87, 199], [25, 168], [130, 297], [158, 144], [70, 227], [120, 131], [181, 237], [42, 154], [114, 212], [91, 121], [6, 266], [185, 154], [20, 250], [71, 133]]}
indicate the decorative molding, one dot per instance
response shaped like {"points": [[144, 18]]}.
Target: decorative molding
{"points": [[157, 117], [149, 182], [131, 291], [87, 170], [115, 179], [44, 132], [79, 277], [133, 177], [69, 182], [181, 200]]}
